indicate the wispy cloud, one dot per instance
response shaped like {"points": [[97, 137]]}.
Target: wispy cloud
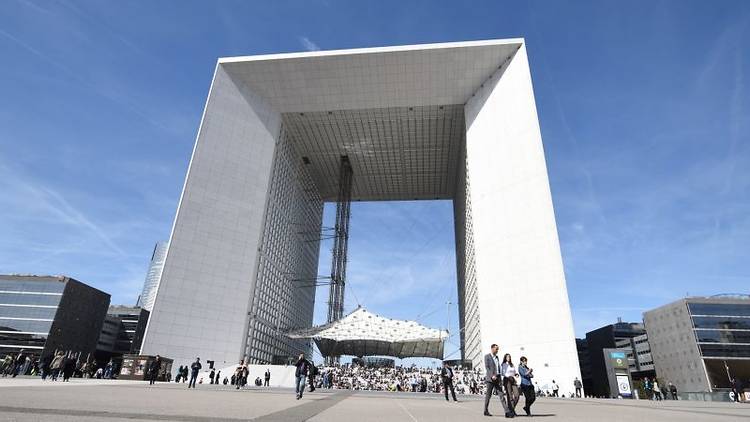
{"points": [[110, 90], [52, 203], [308, 44]]}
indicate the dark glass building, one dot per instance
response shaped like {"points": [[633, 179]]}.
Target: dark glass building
{"points": [[606, 338], [122, 331], [585, 363], [42, 314], [699, 343]]}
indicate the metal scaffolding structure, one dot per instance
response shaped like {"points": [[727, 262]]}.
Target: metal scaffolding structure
{"points": [[340, 243]]}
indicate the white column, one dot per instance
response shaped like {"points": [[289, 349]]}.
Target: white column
{"points": [[202, 300], [523, 299]]}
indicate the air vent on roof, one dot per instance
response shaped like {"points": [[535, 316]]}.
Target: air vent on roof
{"points": [[305, 160]]}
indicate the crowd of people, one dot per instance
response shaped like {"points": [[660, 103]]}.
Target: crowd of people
{"points": [[60, 365], [413, 379], [499, 377]]}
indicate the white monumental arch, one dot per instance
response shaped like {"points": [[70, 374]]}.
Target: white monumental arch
{"points": [[453, 121]]}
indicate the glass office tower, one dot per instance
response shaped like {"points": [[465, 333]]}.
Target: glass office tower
{"points": [[150, 285]]}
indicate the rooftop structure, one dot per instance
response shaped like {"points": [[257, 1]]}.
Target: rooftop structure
{"points": [[362, 333]]}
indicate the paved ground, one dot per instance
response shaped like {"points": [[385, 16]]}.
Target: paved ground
{"points": [[26, 399]]}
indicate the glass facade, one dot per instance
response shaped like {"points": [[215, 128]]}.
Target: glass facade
{"points": [[722, 330], [287, 268], [150, 286], [27, 310]]}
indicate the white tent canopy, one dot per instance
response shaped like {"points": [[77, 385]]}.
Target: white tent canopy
{"points": [[362, 333]]}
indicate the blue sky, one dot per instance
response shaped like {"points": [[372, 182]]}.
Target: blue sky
{"points": [[643, 108]]}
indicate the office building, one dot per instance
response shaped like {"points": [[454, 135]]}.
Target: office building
{"points": [[584, 361], [453, 121], [122, 331], [698, 343], [150, 285], [602, 338], [42, 314], [640, 363]]}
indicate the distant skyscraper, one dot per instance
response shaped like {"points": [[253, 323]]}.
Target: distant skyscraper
{"points": [[146, 300]]}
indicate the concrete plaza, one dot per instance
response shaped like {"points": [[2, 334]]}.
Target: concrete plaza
{"points": [[27, 399]]}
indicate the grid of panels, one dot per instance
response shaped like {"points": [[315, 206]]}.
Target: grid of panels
{"points": [[468, 297], [418, 76], [397, 153], [284, 293]]}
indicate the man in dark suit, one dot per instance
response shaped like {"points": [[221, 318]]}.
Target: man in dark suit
{"points": [[492, 379], [303, 368], [447, 375], [195, 368], [153, 370]]}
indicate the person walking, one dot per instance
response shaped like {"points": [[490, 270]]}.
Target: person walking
{"points": [[56, 365], [179, 374], [508, 371], [311, 377], [44, 363], [657, 391], [673, 390], [578, 386], [239, 373], [211, 376], [7, 365], [493, 380], [69, 367], [18, 363], [736, 389], [527, 387], [649, 388], [446, 374], [217, 378], [108, 369], [267, 378], [27, 363], [555, 389], [300, 373], [153, 370], [195, 368]]}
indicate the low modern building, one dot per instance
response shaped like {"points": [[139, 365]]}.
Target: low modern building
{"points": [[698, 343], [606, 338], [122, 331], [42, 314], [640, 363]]}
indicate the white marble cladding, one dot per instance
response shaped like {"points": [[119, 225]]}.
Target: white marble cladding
{"points": [[468, 305], [512, 286], [404, 76], [521, 284], [202, 302]]}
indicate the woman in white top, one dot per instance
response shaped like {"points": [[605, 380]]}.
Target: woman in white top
{"points": [[508, 371]]}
